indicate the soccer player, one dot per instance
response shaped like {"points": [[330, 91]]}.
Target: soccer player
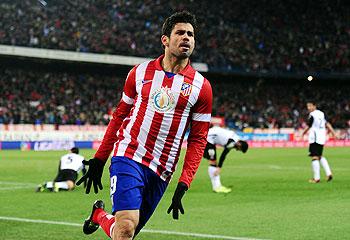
{"points": [[229, 140], [160, 100], [69, 167], [317, 125]]}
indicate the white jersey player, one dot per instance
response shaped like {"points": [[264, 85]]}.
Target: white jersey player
{"points": [[70, 165], [227, 139], [317, 125]]}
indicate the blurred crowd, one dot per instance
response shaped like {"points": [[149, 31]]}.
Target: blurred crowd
{"points": [[39, 97], [280, 104], [60, 97], [258, 36]]}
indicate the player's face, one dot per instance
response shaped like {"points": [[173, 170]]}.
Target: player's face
{"points": [[181, 42], [238, 146], [310, 107]]}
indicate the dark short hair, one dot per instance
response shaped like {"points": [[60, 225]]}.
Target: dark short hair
{"points": [[244, 146], [75, 150], [178, 17], [311, 101]]}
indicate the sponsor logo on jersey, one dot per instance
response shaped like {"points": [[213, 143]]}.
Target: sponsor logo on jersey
{"points": [[146, 81], [186, 89], [163, 100]]}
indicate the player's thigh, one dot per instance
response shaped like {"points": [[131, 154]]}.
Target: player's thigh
{"points": [[126, 190], [70, 184], [315, 150], [153, 193]]}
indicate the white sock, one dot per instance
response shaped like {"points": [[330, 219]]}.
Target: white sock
{"points": [[316, 169], [325, 166], [62, 185], [49, 185], [215, 180]]}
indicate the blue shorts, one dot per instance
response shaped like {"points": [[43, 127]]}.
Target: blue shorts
{"points": [[135, 186]]}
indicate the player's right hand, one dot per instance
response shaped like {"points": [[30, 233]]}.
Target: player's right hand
{"points": [[93, 175]]}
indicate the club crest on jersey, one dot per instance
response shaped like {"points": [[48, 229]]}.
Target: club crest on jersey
{"points": [[186, 89], [163, 100]]}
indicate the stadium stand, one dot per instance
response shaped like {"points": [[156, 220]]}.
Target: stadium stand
{"points": [[270, 36], [66, 97], [234, 38], [56, 97]]}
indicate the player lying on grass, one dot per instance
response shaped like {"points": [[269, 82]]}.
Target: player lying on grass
{"points": [[69, 167], [227, 139]]}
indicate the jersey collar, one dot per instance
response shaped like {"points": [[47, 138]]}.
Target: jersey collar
{"points": [[188, 71]]}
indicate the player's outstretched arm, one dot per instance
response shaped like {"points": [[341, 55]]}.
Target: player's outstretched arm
{"points": [[93, 175], [305, 131], [96, 164], [331, 129], [176, 204]]}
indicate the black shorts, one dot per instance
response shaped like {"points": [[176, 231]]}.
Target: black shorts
{"points": [[210, 151], [66, 175], [315, 149]]}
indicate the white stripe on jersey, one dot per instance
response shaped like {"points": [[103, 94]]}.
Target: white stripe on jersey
{"points": [[140, 71], [127, 100], [196, 88], [147, 121], [167, 118], [201, 117]]}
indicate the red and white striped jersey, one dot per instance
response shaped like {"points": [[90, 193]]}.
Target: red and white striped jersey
{"points": [[150, 121]]}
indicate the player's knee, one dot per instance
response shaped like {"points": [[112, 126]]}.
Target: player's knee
{"points": [[71, 185], [212, 163], [125, 229]]}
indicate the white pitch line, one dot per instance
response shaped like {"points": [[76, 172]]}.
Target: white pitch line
{"points": [[15, 188], [4, 186], [199, 235], [17, 183], [274, 167]]}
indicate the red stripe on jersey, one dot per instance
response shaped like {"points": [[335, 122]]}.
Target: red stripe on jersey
{"points": [[135, 128], [181, 105], [155, 126]]}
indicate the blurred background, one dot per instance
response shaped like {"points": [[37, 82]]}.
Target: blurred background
{"points": [[64, 63], [62, 69]]}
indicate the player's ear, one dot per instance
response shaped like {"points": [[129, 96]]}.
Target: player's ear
{"points": [[165, 41]]}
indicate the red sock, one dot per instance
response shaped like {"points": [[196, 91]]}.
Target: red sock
{"points": [[105, 220]]}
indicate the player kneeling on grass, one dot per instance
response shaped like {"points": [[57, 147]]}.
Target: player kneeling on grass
{"points": [[229, 140], [70, 165]]}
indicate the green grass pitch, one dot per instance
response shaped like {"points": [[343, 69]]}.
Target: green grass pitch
{"points": [[271, 199]]}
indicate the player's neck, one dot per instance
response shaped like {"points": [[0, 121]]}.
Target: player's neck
{"points": [[173, 64]]}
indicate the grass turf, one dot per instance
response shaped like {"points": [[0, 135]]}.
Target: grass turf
{"points": [[271, 199]]}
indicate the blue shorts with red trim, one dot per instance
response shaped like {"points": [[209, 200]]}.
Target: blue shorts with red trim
{"points": [[135, 186]]}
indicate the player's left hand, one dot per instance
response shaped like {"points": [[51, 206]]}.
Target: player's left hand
{"points": [[176, 204]]}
